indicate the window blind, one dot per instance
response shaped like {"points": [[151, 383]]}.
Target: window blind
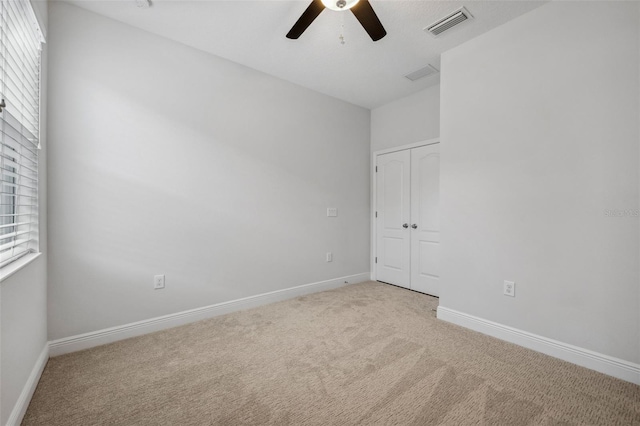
{"points": [[20, 48]]}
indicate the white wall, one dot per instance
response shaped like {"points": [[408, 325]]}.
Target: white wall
{"points": [[23, 296], [540, 136], [167, 160], [413, 118]]}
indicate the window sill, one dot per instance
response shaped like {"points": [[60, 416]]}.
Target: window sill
{"points": [[14, 267]]}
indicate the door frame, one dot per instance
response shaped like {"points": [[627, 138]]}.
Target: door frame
{"points": [[374, 160]]}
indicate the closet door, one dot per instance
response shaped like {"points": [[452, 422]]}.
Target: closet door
{"points": [[425, 223], [392, 224]]}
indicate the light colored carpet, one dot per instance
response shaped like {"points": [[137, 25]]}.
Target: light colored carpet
{"points": [[369, 354]]}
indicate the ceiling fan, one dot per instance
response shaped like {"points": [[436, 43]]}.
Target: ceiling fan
{"points": [[362, 10]]}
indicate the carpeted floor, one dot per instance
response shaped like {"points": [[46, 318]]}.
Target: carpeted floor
{"points": [[369, 354]]}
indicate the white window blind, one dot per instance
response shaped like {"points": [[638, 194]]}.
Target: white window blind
{"points": [[20, 47]]}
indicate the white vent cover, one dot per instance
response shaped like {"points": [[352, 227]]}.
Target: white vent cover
{"points": [[422, 72], [448, 22]]}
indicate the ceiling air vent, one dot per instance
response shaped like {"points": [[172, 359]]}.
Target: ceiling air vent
{"points": [[448, 22], [422, 72]]}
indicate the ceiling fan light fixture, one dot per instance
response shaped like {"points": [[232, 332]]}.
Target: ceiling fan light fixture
{"points": [[339, 4], [363, 12]]}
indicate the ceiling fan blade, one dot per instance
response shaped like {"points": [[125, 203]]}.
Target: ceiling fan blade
{"points": [[369, 20], [306, 19]]}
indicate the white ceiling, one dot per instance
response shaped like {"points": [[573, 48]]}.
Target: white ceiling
{"points": [[362, 72]]}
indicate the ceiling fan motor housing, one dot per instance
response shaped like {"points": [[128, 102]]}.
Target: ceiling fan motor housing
{"points": [[339, 4]]}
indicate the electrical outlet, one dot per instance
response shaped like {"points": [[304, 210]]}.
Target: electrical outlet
{"points": [[510, 288], [158, 282], [329, 256], [332, 212]]}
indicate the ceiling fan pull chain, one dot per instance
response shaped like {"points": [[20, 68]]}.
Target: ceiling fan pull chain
{"points": [[342, 41]]}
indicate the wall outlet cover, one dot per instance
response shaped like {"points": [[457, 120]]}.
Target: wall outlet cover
{"points": [[510, 288], [158, 282]]}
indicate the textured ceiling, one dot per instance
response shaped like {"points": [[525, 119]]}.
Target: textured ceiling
{"points": [[362, 72]]}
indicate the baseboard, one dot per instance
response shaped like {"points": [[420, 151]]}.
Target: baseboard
{"points": [[15, 418], [113, 334], [611, 366]]}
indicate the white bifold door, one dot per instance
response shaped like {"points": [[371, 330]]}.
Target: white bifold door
{"points": [[407, 223]]}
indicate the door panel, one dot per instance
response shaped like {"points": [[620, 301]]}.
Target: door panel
{"points": [[393, 251], [425, 238], [393, 207]]}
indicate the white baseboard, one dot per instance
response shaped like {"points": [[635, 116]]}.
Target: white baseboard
{"points": [[15, 418], [113, 334], [611, 366]]}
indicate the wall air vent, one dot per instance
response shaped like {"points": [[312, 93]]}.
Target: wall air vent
{"points": [[422, 72], [448, 22]]}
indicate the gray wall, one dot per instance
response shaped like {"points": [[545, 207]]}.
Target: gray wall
{"points": [[23, 296], [167, 160], [413, 118], [540, 134]]}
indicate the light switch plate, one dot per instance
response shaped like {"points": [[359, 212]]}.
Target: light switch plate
{"points": [[332, 212]]}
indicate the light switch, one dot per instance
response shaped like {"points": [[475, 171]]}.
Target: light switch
{"points": [[332, 212]]}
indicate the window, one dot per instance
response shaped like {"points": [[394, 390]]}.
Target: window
{"points": [[20, 47]]}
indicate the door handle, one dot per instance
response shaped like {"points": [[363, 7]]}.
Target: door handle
{"points": [[414, 226], [405, 225]]}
